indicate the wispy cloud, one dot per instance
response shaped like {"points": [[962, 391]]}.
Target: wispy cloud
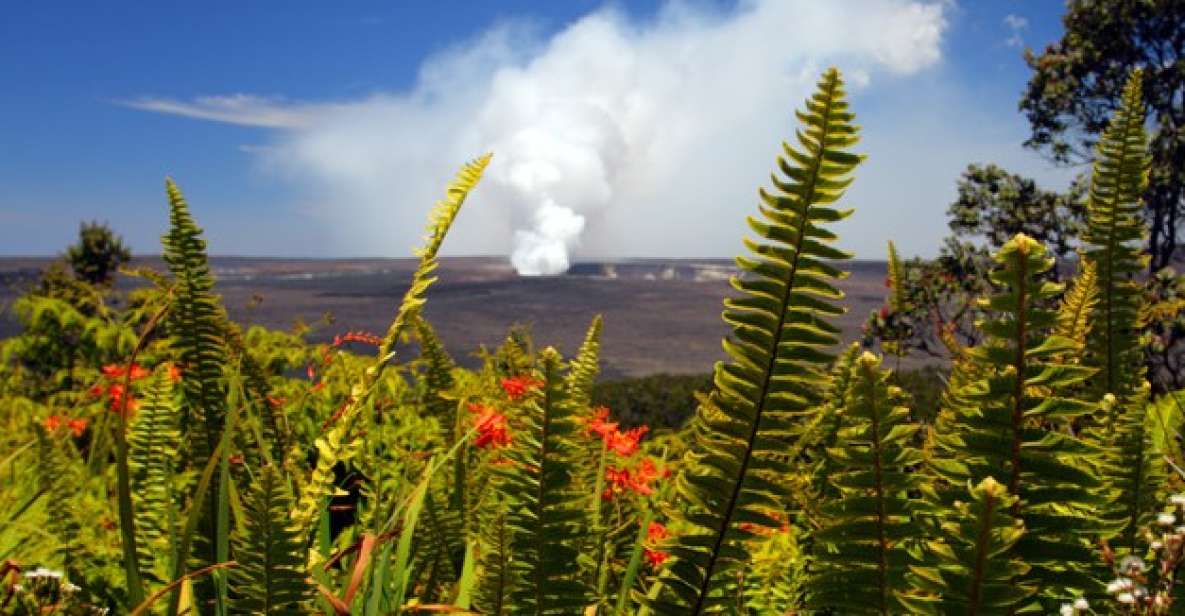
{"points": [[1016, 27], [242, 109]]}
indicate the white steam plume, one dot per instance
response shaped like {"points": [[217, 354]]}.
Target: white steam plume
{"points": [[611, 137]]}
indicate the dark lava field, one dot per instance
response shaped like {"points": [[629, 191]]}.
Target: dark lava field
{"points": [[660, 315]]}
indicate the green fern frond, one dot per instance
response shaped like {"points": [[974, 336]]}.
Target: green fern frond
{"points": [[977, 567], [496, 580], [154, 443], [583, 369], [779, 354], [270, 577], [1074, 311], [546, 516], [897, 297], [337, 444], [437, 374], [1002, 427], [863, 559], [1113, 243], [196, 322]]}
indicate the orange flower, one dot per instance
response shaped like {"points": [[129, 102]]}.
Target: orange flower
{"points": [[77, 426], [645, 474], [599, 425], [492, 430], [275, 402], [96, 390], [656, 532], [516, 387], [626, 443], [174, 372], [116, 391], [618, 481], [52, 423], [116, 371], [655, 557]]}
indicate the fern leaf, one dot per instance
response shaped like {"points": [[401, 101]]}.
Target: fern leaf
{"points": [[779, 354], [1113, 235], [865, 560], [977, 565], [545, 515], [337, 443], [583, 369], [154, 442], [196, 323], [897, 298], [1073, 313], [496, 580], [270, 578]]}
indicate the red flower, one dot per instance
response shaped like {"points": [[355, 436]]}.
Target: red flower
{"points": [[116, 371], [96, 390], [655, 557], [517, 386], [116, 391], [626, 443], [492, 430], [618, 481], [656, 532], [174, 372], [888, 283], [77, 426], [598, 425], [644, 475], [52, 423], [884, 313], [358, 336], [275, 402]]}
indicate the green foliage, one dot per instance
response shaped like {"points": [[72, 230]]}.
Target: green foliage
{"points": [[778, 360], [280, 476]]}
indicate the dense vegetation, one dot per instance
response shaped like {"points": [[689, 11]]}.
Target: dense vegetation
{"points": [[156, 458]]}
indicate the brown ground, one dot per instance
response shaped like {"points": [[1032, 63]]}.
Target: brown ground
{"points": [[660, 315]]}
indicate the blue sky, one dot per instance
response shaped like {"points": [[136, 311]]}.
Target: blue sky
{"points": [[88, 131]]}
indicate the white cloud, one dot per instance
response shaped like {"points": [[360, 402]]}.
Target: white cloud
{"points": [[611, 137], [1016, 26]]}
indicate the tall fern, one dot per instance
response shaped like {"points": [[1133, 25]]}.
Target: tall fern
{"points": [[779, 353], [196, 323], [546, 518], [337, 444], [1113, 235], [1001, 427], [863, 563], [1074, 311], [1113, 239]]}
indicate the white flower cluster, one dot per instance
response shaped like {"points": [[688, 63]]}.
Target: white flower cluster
{"points": [[1132, 587], [1077, 608]]}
